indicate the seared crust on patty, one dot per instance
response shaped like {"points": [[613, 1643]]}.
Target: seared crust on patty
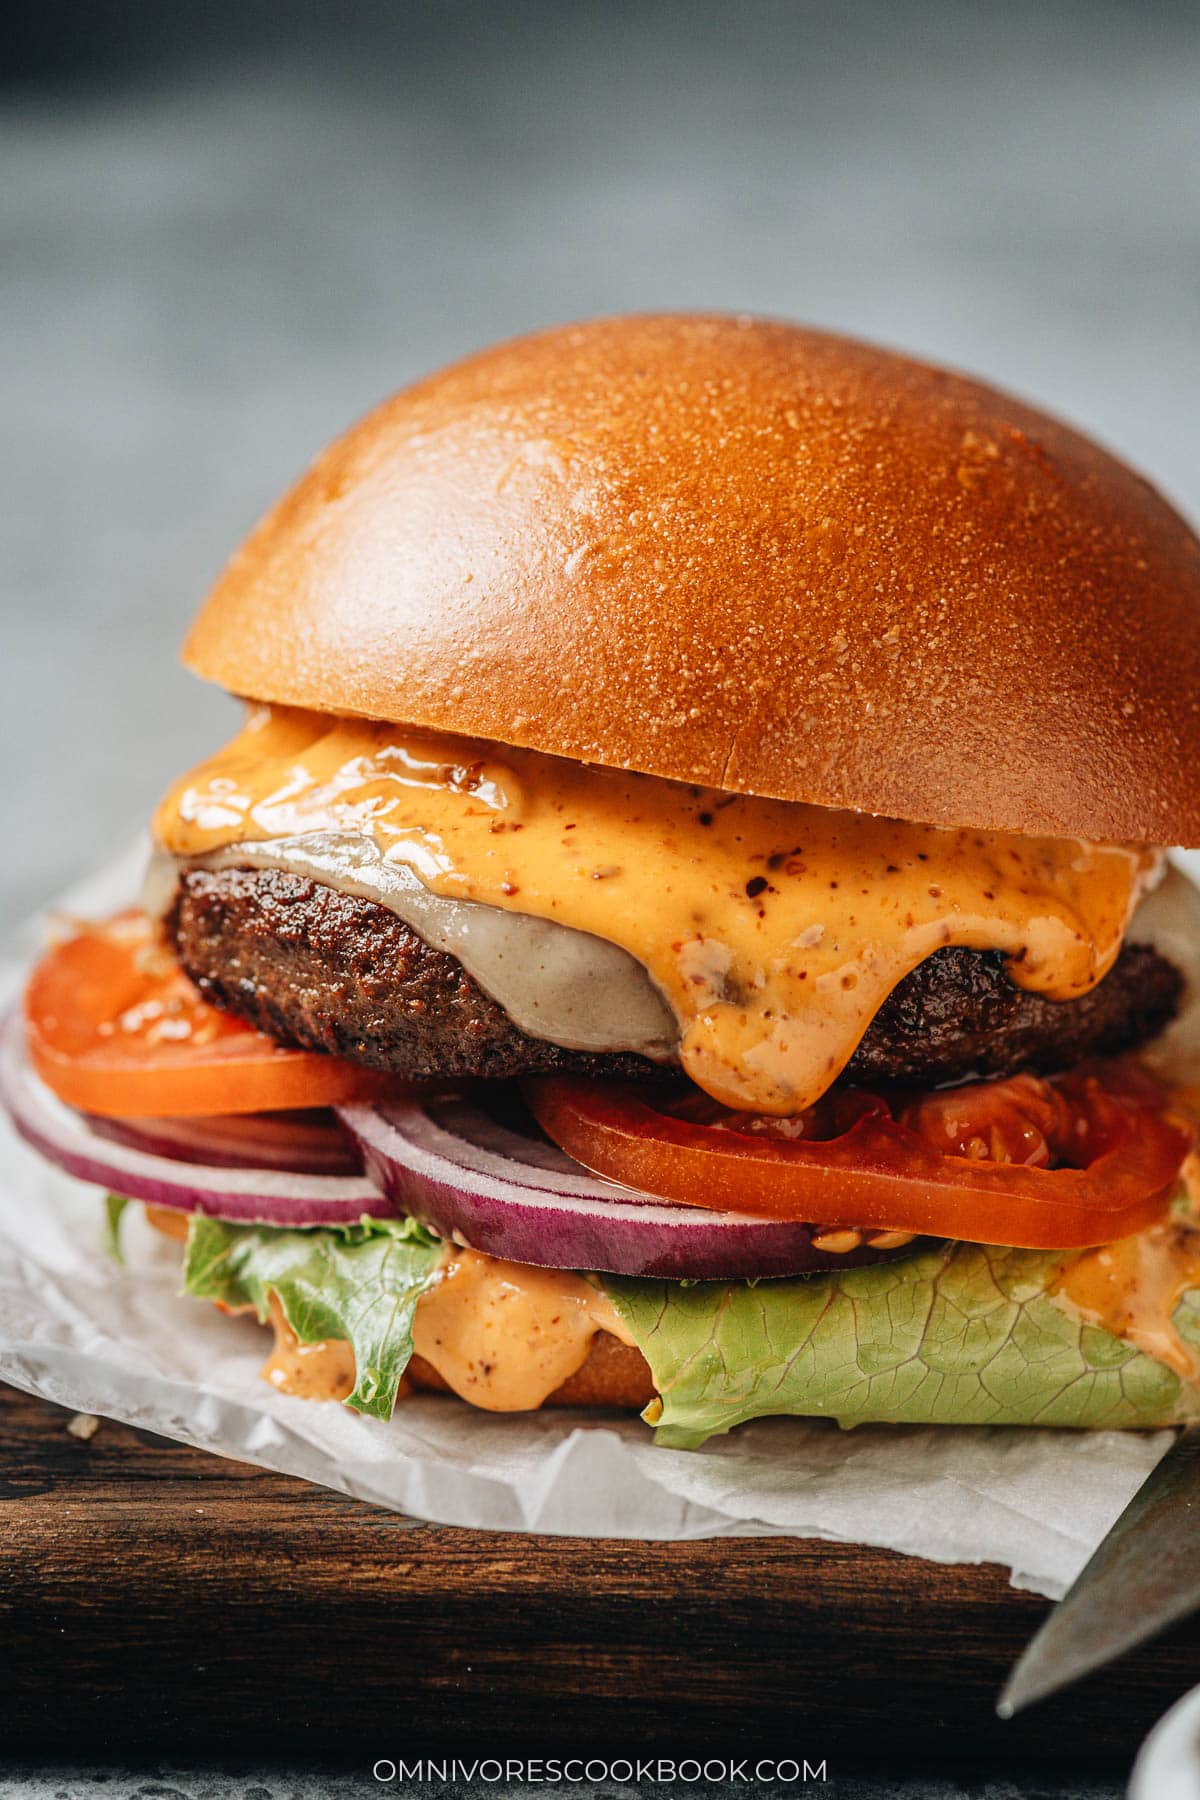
{"points": [[332, 971], [958, 1014]]}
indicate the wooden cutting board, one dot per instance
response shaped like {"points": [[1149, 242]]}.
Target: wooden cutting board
{"points": [[155, 1598]]}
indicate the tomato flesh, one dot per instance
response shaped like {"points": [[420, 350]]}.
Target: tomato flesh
{"points": [[115, 1027], [1083, 1159]]}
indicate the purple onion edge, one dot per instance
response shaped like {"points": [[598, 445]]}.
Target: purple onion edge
{"points": [[649, 1247]]}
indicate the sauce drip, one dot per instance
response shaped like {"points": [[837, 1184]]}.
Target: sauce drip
{"points": [[321, 1371], [500, 1335], [774, 930], [503, 1335], [1132, 1288]]}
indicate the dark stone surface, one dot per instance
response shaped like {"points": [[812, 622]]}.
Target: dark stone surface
{"points": [[166, 1781]]}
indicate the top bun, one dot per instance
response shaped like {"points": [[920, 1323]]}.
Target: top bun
{"points": [[732, 551]]}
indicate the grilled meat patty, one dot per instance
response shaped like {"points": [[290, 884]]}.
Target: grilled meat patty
{"points": [[331, 971]]}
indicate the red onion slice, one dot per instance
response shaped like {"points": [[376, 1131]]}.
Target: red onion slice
{"points": [[312, 1142], [262, 1196], [443, 1159], [447, 1162]]}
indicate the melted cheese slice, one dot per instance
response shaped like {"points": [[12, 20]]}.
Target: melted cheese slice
{"points": [[774, 931]]}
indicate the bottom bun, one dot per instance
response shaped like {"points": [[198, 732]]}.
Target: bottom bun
{"points": [[614, 1374]]}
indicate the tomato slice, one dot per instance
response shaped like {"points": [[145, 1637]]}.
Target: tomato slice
{"points": [[1082, 1159], [115, 1027]]}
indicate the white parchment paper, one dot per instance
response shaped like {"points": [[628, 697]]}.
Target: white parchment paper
{"points": [[81, 1330]]}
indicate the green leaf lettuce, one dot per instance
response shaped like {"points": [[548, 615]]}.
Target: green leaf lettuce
{"points": [[359, 1282], [110, 1231], [959, 1335]]}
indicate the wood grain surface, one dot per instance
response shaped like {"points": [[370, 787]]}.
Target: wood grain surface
{"points": [[153, 1597]]}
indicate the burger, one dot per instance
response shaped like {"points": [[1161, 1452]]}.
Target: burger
{"points": [[685, 923]]}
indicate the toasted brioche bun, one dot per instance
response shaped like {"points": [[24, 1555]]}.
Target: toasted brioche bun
{"points": [[736, 552]]}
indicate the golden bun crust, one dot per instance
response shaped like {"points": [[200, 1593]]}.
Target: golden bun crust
{"points": [[614, 1374], [736, 552]]}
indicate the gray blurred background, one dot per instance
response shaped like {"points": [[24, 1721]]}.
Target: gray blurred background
{"points": [[226, 229]]}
